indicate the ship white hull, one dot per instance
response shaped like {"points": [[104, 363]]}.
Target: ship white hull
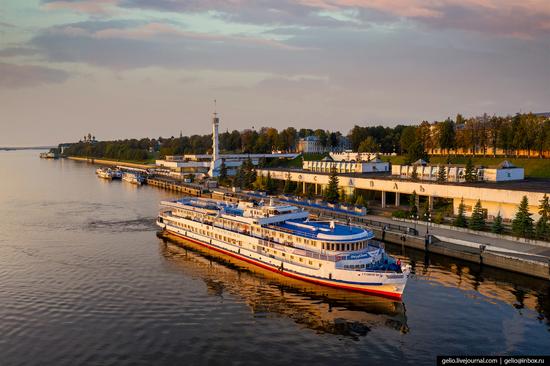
{"points": [[384, 284]]}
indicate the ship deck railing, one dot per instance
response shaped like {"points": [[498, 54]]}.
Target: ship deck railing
{"points": [[263, 240]]}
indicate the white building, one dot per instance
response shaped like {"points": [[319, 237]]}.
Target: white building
{"points": [[312, 144], [506, 171], [349, 155], [497, 198], [374, 166]]}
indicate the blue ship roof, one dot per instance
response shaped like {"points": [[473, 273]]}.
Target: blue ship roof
{"points": [[311, 229]]}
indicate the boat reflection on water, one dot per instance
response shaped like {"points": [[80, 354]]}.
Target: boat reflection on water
{"points": [[320, 308], [488, 283]]}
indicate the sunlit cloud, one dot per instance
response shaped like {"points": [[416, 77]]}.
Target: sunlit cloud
{"points": [[19, 76]]}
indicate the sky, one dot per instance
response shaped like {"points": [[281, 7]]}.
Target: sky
{"points": [[149, 68]]}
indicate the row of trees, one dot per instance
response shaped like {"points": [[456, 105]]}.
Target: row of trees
{"points": [[119, 150], [485, 134], [523, 224]]}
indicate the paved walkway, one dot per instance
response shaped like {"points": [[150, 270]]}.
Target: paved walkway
{"points": [[479, 239]]}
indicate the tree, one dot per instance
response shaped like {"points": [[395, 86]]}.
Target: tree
{"points": [[543, 226], [469, 171], [522, 225], [343, 195], [446, 135], [360, 201], [331, 193], [412, 204], [222, 178], [477, 220], [310, 191], [407, 139], [426, 212], [441, 174], [460, 219], [270, 184], [497, 227], [289, 185], [369, 145], [414, 173]]}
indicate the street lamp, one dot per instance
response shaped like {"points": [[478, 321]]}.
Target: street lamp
{"points": [[429, 217]]}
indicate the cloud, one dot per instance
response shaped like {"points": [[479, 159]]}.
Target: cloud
{"points": [[17, 51], [81, 6], [123, 45], [512, 18], [20, 76]]}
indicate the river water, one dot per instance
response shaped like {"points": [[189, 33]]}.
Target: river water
{"points": [[84, 280]]}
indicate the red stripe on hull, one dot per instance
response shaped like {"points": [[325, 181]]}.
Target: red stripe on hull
{"points": [[390, 295]]}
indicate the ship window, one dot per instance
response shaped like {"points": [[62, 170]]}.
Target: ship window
{"points": [[301, 259], [310, 262], [320, 264]]}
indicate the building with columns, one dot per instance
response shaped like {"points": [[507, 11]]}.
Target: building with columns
{"points": [[495, 197]]}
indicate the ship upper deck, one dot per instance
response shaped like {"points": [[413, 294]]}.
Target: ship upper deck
{"points": [[283, 218]]}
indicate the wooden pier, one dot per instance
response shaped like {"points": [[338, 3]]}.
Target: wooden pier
{"points": [[190, 190]]}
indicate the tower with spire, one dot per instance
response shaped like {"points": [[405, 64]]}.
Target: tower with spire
{"points": [[215, 164]]}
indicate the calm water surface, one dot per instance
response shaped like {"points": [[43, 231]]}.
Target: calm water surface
{"points": [[84, 280]]}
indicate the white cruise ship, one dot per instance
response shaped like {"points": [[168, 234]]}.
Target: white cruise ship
{"points": [[281, 238]]}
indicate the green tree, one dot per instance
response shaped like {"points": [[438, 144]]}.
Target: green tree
{"points": [[331, 193], [426, 212], [222, 178], [289, 186], [469, 171], [460, 219], [413, 209], [310, 191], [497, 227], [343, 195], [360, 201], [447, 135], [369, 145], [477, 220], [522, 225], [414, 173], [543, 227], [441, 174], [270, 184]]}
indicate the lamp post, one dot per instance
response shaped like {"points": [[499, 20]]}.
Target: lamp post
{"points": [[429, 217]]}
